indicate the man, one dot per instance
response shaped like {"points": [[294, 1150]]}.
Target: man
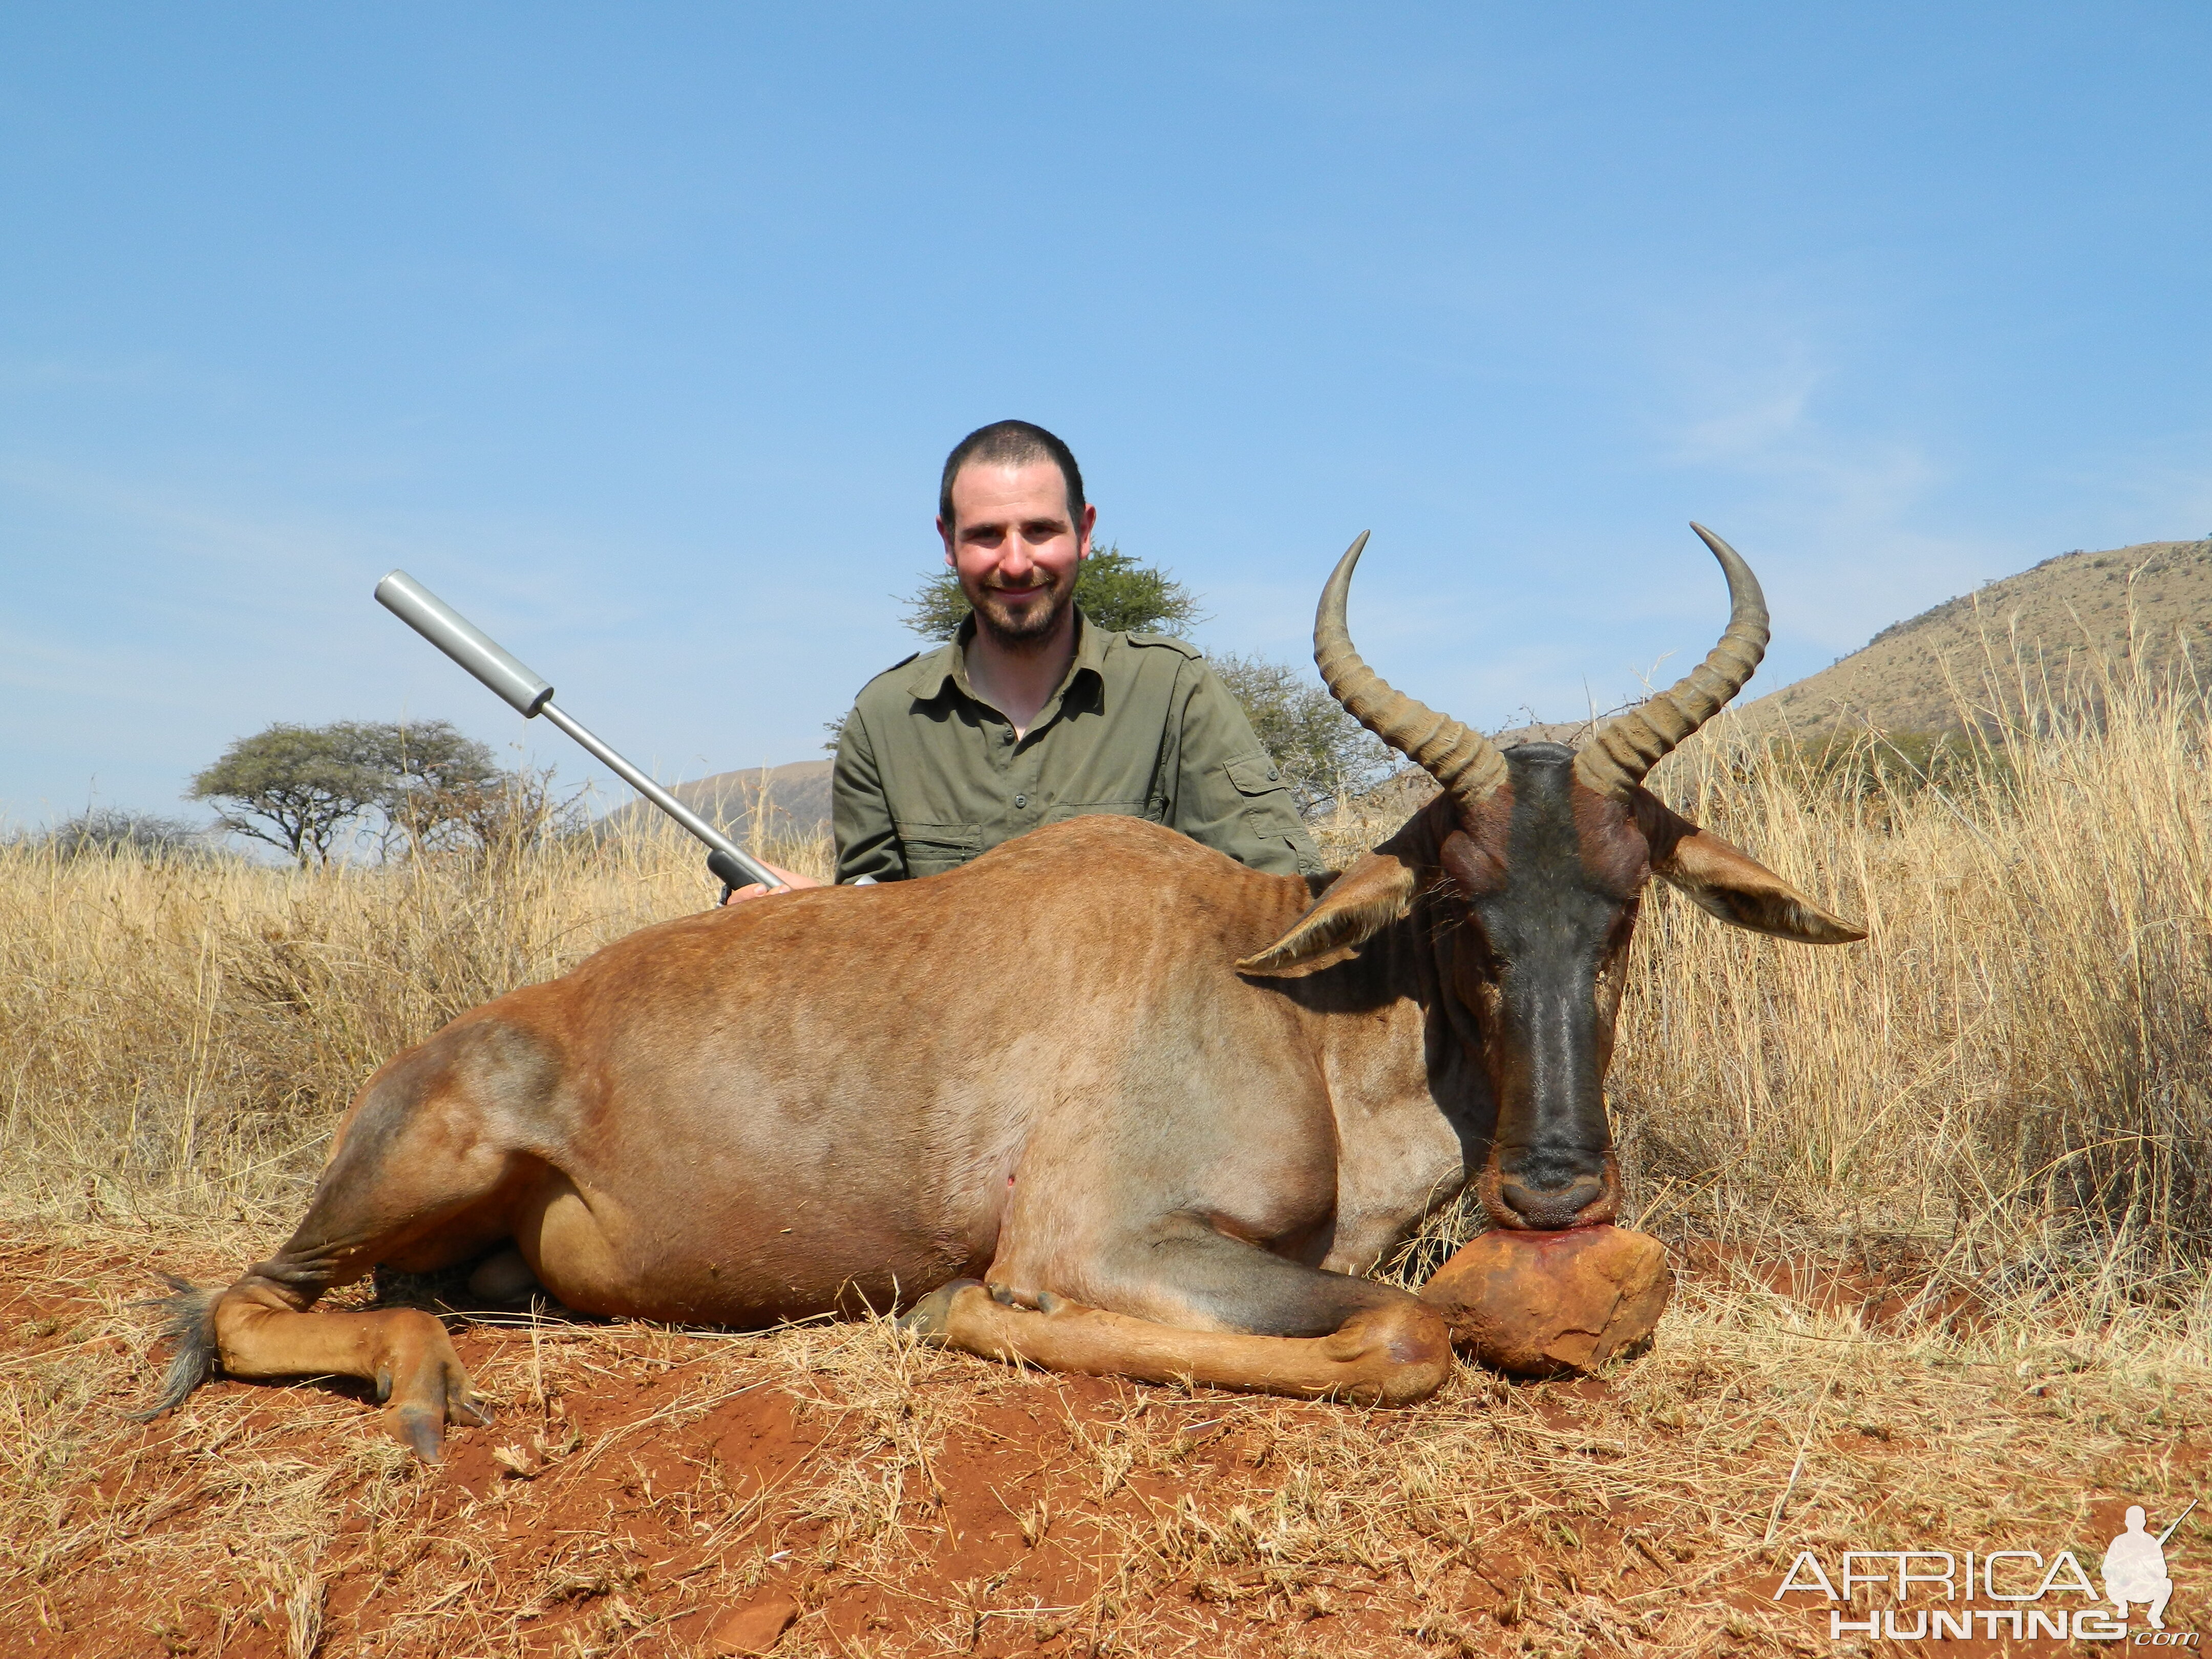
{"points": [[1032, 714]]}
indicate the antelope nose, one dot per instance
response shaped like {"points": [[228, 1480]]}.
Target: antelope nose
{"points": [[1579, 1204]]}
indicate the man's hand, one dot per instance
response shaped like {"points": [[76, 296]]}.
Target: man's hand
{"points": [[754, 890]]}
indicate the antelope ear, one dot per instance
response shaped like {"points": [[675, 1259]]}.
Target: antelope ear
{"points": [[1369, 896], [1729, 883]]}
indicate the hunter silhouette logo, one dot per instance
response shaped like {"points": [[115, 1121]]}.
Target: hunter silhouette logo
{"points": [[1934, 1592], [2134, 1568]]}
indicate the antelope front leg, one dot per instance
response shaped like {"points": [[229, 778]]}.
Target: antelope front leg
{"points": [[1389, 1354]]}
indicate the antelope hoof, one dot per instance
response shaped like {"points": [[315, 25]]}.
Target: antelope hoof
{"points": [[930, 1319], [422, 1428], [419, 1430]]}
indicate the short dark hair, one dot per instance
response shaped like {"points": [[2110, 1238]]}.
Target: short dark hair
{"points": [[1012, 443]]}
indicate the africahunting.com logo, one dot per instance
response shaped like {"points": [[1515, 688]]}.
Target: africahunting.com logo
{"points": [[1937, 1593]]}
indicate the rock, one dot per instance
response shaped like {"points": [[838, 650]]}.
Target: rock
{"points": [[1544, 1304], [753, 1628]]}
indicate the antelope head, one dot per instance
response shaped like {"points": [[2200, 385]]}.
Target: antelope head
{"points": [[1530, 868]]}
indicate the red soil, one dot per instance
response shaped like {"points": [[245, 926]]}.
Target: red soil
{"points": [[650, 1492]]}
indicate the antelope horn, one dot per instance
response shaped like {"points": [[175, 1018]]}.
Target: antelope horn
{"points": [[1618, 755], [1466, 762]]}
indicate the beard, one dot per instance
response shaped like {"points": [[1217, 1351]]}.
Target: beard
{"points": [[1026, 623]]}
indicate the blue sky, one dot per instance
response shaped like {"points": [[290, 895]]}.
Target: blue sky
{"points": [[640, 333]]}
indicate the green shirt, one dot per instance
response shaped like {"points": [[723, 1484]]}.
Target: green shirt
{"points": [[928, 775]]}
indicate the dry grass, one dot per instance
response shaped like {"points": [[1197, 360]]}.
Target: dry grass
{"points": [[1987, 1124], [2013, 1077], [177, 1036]]}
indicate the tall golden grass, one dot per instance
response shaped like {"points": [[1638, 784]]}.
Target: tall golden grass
{"points": [[178, 1035], [2011, 1079]]}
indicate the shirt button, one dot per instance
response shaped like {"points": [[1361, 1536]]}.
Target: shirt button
{"points": [[1021, 801]]}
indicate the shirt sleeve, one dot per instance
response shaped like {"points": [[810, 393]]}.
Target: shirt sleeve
{"points": [[1229, 793], [859, 812]]}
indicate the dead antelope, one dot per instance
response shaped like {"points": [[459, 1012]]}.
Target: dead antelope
{"points": [[1165, 1109]]}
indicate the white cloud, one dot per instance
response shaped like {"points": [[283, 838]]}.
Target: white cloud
{"points": [[1843, 515]]}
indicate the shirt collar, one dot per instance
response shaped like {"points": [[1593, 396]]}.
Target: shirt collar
{"points": [[948, 664]]}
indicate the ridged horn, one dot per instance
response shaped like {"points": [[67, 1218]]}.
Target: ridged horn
{"points": [[1467, 764], [1617, 756]]}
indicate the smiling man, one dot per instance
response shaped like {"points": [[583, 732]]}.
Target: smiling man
{"points": [[1032, 714]]}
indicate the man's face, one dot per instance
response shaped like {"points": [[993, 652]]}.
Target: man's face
{"points": [[1014, 548]]}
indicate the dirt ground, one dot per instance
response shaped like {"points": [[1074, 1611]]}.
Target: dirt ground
{"points": [[834, 1489]]}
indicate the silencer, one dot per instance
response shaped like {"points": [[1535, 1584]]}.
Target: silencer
{"points": [[454, 635], [530, 696]]}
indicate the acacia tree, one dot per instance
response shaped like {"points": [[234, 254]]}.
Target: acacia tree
{"points": [[497, 821], [297, 787], [436, 781], [306, 788]]}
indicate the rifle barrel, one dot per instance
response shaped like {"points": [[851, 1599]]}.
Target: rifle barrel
{"points": [[2177, 1520], [752, 868]]}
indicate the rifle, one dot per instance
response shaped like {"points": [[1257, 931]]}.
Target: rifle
{"points": [[2177, 1520], [529, 695]]}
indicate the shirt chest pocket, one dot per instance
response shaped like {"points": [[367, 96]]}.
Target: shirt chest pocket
{"points": [[931, 849], [1260, 781]]}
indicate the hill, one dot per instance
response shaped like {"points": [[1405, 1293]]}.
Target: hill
{"points": [[797, 796], [2067, 614]]}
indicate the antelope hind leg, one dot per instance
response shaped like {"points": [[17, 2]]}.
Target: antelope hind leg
{"points": [[404, 1352], [417, 1180], [1390, 1354]]}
